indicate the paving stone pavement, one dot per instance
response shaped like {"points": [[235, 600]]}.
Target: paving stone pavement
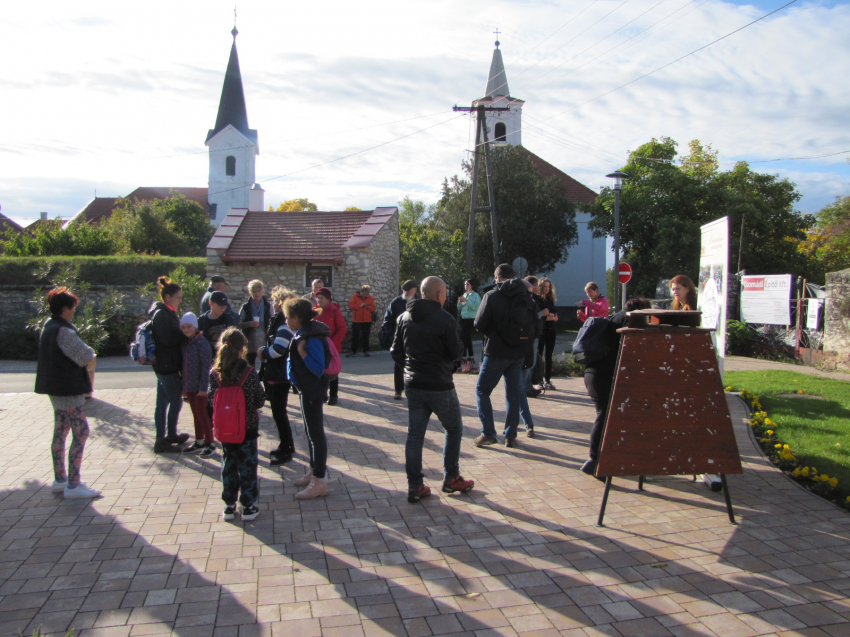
{"points": [[519, 555]]}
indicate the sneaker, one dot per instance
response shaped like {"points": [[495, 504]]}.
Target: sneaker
{"points": [[541, 387], [548, 385], [450, 485], [229, 512], [533, 393], [249, 513], [317, 488], [333, 400], [397, 395], [80, 491], [177, 439], [196, 446], [59, 487], [529, 433], [367, 354], [163, 446], [417, 493], [510, 442], [483, 440], [304, 480], [207, 451], [351, 354], [279, 459]]}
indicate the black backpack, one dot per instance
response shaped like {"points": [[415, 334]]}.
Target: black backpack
{"points": [[591, 344], [516, 325]]}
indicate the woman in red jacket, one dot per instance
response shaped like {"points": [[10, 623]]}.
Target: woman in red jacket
{"points": [[331, 316], [362, 306]]}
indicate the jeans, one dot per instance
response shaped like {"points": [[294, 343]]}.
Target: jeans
{"points": [[398, 378], [547, 342], [278, 398], [492, 369], [421, 404], [360, 333], [599, 389], [169, 397], [314, 427], [239, 472], [524, 409]]}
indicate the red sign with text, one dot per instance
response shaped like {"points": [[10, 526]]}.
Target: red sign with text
{"points": [[625, 273]]}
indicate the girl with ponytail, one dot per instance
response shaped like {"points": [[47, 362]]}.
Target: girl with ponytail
{"points": [[238, 459]]}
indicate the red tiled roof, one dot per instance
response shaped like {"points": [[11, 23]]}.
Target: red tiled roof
{"points": [[101, 208], [41, 222], [296, 237], [576, 192], [7, 226]]}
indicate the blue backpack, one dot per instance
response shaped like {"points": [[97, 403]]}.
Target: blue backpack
{"points": [[143, 348], [591, 344]]}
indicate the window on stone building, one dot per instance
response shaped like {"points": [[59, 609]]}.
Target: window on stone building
{"points": [[230, 165], [501, 132], [323, 272]]}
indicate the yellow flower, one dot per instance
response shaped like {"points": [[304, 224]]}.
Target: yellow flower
{"points": [[796, 472], [824, 477], [778, 445], [848, 498], [769, 432], [814, 469], [799, 391], [786, 447], [768, 422], [833, 482], [729, 388], [805, 472]]}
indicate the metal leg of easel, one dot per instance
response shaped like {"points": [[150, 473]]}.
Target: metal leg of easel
{"points": [[604, 501], [728, 499], [640, 483]]}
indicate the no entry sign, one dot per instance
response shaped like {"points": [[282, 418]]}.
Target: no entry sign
{"points": [[625, 273]]}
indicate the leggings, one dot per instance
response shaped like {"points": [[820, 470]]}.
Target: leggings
{"points": [[314, 427], [200, 413], [278, 398], [73, 420], [466, 336], [547, 341]]}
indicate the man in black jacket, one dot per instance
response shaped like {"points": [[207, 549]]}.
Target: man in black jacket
{"points": [[503, 352], [427, 346], [388, 328]]}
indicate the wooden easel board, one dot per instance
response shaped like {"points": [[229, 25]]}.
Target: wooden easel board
{"points": [[668, 413]]}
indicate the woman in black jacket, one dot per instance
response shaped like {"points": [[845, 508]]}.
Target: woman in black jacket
{"points": [[167, 366]]}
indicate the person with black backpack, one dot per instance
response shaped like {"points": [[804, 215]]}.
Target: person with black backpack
{"points": [[506, 318], [599, 372]]}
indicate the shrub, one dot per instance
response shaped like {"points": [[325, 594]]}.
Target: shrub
{"points": [[125, 270], [565, 365], [738, 338]]}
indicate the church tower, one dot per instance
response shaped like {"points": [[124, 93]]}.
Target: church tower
{"points": [[233, 146], [503, 127]]}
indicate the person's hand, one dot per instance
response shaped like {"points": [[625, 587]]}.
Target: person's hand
{"points": [[580, 303], [579, 315], [260, 353], [461, 299], [545, 311], [255, 324]]}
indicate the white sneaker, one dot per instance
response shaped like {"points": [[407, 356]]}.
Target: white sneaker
{"points": [[81, 491], [58, 487]]}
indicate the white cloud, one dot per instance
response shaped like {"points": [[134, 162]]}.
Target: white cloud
{"points": [[115, 98]]}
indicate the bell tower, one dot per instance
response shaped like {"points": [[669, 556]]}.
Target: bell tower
{"points": [[503, 127]]}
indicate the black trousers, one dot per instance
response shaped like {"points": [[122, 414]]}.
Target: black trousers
{"points": [[360, 333], [599, 389], [333, 388], [278, 394], [398, 379], [466, 326], [547, 343]]}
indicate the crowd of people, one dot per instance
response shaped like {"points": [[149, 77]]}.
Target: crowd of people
{"points": [[224, 363]]}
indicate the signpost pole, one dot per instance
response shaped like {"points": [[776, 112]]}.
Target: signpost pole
{"points": [[624, 295]]}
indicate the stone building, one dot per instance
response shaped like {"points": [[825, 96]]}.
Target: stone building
{"points": [[836, 336], [344, 249]]}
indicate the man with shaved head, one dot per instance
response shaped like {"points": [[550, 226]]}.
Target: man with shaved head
{"points": [[427, 346]]}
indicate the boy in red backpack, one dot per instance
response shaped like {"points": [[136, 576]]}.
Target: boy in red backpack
{"points": [[235, 393]]}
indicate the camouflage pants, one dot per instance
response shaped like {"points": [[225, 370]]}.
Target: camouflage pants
{"points": [[239, 472]]}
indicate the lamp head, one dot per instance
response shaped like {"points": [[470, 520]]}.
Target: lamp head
{"points": [[618, 176]]}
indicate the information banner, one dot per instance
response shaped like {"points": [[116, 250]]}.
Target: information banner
{"points": [[813, 314], [713, 281], [766, 299]]}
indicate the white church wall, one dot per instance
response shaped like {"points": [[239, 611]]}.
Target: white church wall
{"points": [[585, 262], [228, 191]]}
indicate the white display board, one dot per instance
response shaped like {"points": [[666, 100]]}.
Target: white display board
{"points": [[766, 299], [713, 281], [813, 313]]}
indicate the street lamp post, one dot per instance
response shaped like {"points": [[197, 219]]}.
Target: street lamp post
{"points": [[618, 177]]}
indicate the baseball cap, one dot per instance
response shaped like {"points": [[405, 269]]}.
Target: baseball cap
{"points": [[409, 285], [219, 298]]}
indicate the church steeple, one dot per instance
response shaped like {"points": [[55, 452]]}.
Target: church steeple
{"points": [[231, 108], [503, 127], [497, 81]]}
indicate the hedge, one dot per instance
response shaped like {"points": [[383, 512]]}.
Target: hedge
{"points": [[123, 270]]}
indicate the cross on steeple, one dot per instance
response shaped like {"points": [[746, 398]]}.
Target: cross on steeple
{"points": [[234, 33], [497, 32]]}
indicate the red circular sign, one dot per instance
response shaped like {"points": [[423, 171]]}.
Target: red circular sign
{"points": [[625, 273]]}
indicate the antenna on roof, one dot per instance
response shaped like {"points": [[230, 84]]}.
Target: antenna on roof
{"points": [[234, 33]]}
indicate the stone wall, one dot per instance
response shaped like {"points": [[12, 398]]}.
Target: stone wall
{"points": [[377, 265], [18, 305], [836, 337]]}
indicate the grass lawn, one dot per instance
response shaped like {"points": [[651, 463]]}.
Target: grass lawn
{"points": [[817, 430]]}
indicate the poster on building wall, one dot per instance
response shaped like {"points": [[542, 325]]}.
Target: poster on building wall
{"points": [[766, 299], [713, 281]]}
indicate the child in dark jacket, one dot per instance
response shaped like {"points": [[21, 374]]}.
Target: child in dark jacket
{"points": [[306, 370], [238, 460], [197, 361]]}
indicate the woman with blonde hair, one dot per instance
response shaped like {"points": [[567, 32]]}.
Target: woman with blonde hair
{"points": [[684, 292], [547, 340], [254, 318]]}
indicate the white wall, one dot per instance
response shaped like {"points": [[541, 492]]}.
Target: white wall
{"points": [[586, 262], [226, 191]]}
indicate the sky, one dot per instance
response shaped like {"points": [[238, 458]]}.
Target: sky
{"points": [[104, 97]]}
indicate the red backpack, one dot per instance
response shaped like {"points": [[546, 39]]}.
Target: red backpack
{"points": [[229, 409]]}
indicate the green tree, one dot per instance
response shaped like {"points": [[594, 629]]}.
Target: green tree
{"points": [[827, 245], [534, 218], [295, 205], [52, 239], [426, 249], [352, 209]]}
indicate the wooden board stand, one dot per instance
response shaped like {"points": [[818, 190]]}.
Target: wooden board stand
{"points": [[668, 413]]}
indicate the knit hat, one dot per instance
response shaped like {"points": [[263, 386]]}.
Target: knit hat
{"points": [[189, 318], [219, 298], [326, 293]]}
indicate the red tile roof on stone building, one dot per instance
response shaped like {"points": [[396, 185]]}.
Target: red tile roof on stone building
{"points": [[101, 208], [296, 237], [576, 191]]}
